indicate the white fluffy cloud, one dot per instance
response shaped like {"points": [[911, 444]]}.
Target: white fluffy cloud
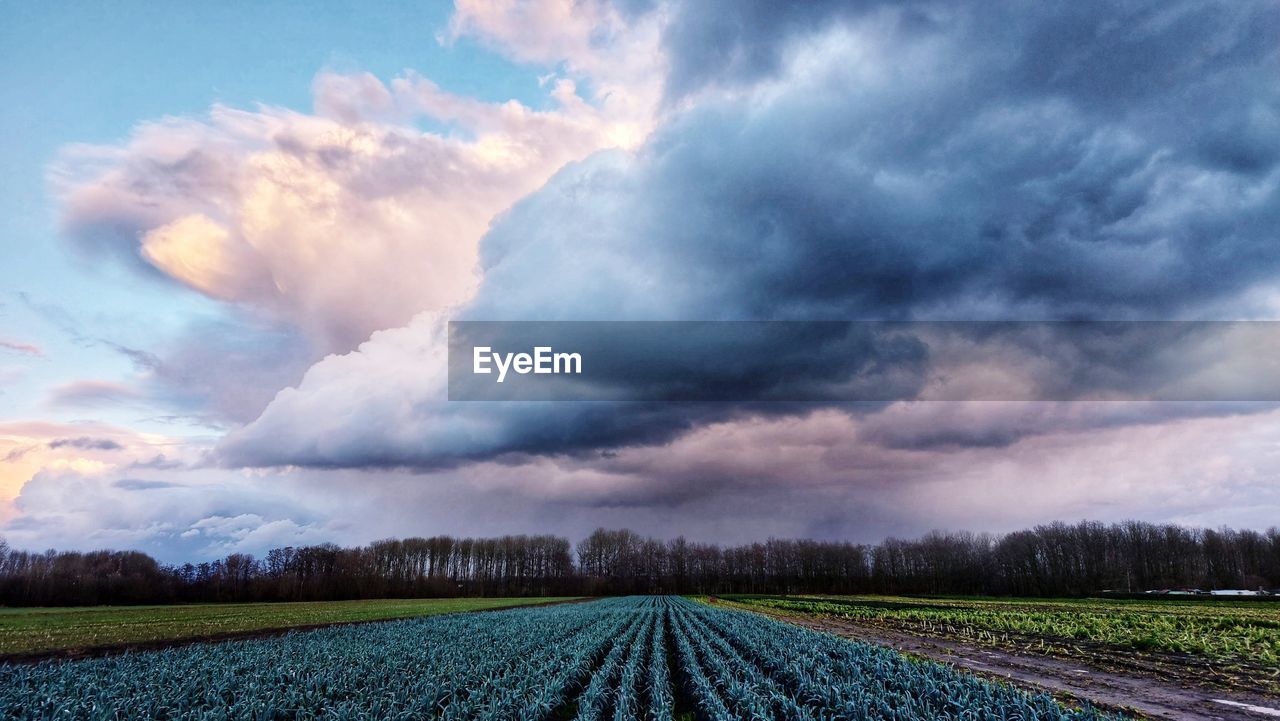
{"points": [[317, 229], [177, 517], [339, 223], [615, 49], [26, 447]]}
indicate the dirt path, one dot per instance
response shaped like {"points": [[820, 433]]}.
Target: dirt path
{"points": [[1156, 698]]}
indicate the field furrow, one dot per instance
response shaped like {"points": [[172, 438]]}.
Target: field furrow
{"points": [[609, 660]]}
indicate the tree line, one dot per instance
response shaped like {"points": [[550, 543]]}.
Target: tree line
{"points": [[1057, 559]]}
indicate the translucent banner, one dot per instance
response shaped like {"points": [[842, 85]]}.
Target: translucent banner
{"points": [[804, 361]]}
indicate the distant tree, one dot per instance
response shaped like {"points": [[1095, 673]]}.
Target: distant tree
{"points": [[1051, 559]]}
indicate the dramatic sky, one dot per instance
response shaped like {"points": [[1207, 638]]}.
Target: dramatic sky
{"points": [[233, 235]]}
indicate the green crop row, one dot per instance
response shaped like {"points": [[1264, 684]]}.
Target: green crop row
{"points": [[1213, 631], [608, 659]]}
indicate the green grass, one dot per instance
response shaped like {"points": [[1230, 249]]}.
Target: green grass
{"points": [[1241, 632], [39, 630]]}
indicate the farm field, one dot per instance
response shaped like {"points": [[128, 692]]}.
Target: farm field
{"points": [[627, 659], [1231, 643], [26, 631]]}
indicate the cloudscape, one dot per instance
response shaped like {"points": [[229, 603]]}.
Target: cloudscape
{"points": [[229, 276]]}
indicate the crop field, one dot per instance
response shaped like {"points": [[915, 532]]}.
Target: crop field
{"points": [[629, 659], [1223, 644], [42, 630], [1221, 631]]}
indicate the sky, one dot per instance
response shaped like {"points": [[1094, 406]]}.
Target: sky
{"points": [[233, 237]]}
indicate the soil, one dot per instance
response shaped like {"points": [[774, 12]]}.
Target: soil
{"points": [[1154, 686]]}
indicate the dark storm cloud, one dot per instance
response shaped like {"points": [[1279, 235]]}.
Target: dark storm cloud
{"points": [[1010, 162], [738, 42], [877, 161], [949, 426], [1098, 51]]}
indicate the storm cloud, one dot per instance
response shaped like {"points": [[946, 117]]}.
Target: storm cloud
{"points": [[907, 171], [909, 162], [862, 161]]}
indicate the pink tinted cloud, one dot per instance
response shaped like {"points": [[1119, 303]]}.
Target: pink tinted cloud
{"points": [[20, 347], [339, 223], [829, 473], [823, 474]]}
